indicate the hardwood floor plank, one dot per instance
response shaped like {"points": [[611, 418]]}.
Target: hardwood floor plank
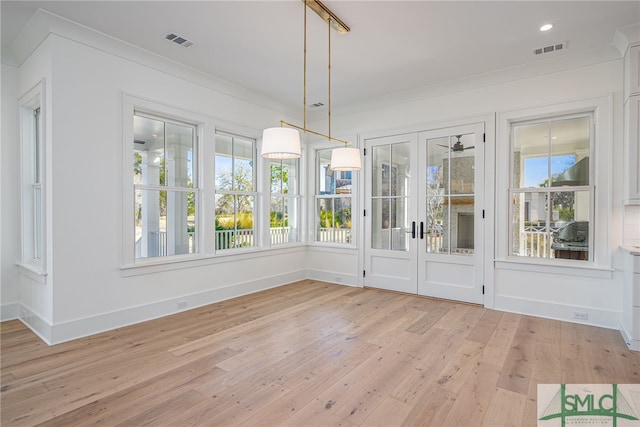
{"points": [[516, 372], [429, 319], [390, 412], [431, 409], [307, 353], [474, 397], [505, 409]]}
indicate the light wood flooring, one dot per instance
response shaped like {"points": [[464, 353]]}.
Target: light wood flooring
{"points": [[305, 354]]}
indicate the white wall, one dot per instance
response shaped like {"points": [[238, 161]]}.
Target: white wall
{"points": [[86, 289], [10, 158], [554, 293]]}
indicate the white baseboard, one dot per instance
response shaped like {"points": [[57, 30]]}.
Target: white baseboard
{"points": [[9, 311], [596, 317], [78, 328], [628, 340], [39, 325], [333, 277]]}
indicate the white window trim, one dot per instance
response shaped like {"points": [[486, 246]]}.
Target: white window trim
{"points": [[205, 131], [602, 110], [258, 238], [34, 267], [297, 197], [313, 186]]}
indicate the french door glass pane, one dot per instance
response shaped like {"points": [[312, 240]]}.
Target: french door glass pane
{"points": [[450, 195], [381, 223], [390, 190]]}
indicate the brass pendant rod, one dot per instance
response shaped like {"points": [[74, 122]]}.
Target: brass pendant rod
{"points": [[304, 83], [329, 76], [304, 129]]}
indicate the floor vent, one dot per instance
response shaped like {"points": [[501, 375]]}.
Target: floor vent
{"points": [[551, 48], [179, 40]]}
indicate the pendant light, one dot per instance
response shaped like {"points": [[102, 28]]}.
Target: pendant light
{"points": [[343, 158], [284, 142]]}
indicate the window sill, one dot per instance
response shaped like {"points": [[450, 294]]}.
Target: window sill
{"points": [[156, 265], [33, 272], [579, 268]]}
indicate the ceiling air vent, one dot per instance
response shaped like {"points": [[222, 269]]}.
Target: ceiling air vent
{"points": [[179, 40], [551, 48]]}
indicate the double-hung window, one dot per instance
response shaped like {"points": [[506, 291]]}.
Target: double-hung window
{"points": [[283, 216], [32, 179], [165, 186], [552, 191], [333, 202], [235, 191]]}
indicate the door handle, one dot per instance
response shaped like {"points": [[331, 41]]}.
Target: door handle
{"points": [[413, 229], [421, 230]]}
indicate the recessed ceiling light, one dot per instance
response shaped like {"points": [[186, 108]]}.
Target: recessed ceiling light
{"points": [[546, 27]]}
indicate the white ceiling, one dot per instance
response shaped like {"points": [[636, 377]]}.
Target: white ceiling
{"points": [[393, 46]]}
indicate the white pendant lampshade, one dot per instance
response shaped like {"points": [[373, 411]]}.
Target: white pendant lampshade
{"points": [[345, 159], [281, 143]]}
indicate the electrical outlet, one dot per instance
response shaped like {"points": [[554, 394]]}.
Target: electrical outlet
{"points": [[182, 305], [580, 315]]}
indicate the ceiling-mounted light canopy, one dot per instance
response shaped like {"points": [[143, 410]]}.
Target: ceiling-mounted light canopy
{"points": [[281, 143], [345, 159]]}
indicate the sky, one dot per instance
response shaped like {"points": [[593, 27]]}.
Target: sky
{"points": [[536, 168]]}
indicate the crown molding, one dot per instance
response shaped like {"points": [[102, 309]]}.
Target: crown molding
{"points": [[44, 24]]}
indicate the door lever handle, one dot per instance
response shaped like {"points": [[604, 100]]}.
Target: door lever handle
{"points": [[413, 229], [421, 230]]}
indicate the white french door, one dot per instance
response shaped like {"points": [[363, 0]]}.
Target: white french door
{"points": [[391, 213], [424, 224]]}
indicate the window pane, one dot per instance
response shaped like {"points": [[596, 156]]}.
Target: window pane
{"points": [[334, 224], [329, 181], [571, 225], [277, 176], [37, 222], [283, 220], [149, 151], [234, 221], [164, 224], [530, 227], [531, 155], [284, 210], [242, 164], [290, 176], [570, 152], [284, 176], [179, 155], [224, 162], [36, 147]]}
